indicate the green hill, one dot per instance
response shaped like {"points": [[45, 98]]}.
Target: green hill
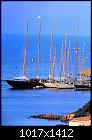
{"points": [[84, 111]]}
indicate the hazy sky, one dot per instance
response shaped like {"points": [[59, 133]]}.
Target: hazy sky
{"points": [[66, 15]]}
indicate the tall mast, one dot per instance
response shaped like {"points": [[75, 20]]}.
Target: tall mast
{"points": [[39, 42], [69, 57], [37, 70], [25, 50], [51, 43], [27, 35], [38, 59], [54, 63], [83, 59], [65, 55], [61, 63], [50, 55], [76, 70], [66, 39]]}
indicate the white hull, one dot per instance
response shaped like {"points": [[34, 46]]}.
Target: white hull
{"points": [[59, 85]]}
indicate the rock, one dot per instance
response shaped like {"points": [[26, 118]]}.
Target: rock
{"points": [[50, 117]]}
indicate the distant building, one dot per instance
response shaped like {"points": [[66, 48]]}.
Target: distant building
{"points": [[80, 121]]}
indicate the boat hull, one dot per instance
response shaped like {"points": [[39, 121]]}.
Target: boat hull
{"points": [[26, 84], [59, 85], [82, 86]]}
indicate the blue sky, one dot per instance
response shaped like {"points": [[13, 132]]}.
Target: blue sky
{"points": [[66, 16]]}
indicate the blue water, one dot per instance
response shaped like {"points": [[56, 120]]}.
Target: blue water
{"points": [[18, 105]]}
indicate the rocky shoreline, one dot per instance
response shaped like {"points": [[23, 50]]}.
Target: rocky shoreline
{"points": [[50, 116], [84, 111]]}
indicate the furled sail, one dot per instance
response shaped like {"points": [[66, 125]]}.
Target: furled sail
{"points": [[25, 50], [24, 65]]}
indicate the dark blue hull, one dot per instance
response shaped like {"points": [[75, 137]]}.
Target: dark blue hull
{"points": [[24, 84]]}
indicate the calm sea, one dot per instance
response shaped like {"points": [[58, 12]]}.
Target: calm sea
{"points": [[18, 105]]}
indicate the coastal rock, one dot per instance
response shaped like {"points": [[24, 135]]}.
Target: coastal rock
{"points": [[51, 116]]}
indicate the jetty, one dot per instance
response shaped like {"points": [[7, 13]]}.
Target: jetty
{"points": [[50, 116]]}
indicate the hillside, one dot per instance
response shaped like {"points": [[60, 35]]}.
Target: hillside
{"points": [[84, 111]]}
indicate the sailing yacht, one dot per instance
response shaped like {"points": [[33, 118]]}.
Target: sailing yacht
{"points": [[23, 82], [84, 82]]}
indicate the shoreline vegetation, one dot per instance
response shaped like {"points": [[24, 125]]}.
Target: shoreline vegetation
{"points": [[81, 112]]}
